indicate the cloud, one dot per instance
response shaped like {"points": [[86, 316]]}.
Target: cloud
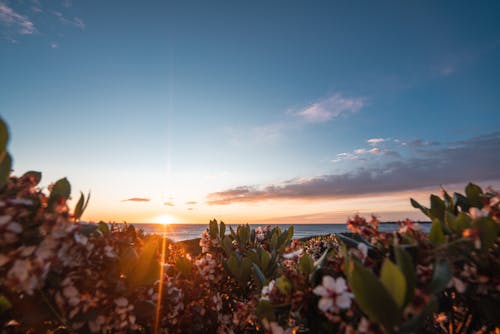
{"points": [[137, 199], [375, 141], [75, 21], [54, 45], [475, 160], [191, 203], [358, 154], [168, 204], [416, 143], [22, 24], [330, 108]]}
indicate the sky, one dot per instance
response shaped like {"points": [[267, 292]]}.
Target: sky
{"points": [[258, 111]]}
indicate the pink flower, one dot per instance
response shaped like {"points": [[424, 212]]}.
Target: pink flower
{"points": [[333, 293]]}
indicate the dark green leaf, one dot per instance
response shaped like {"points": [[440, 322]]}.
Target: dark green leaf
{"points": [[437, 208], [436, 233], [461, 202], [284, 285], [61, 189], [103, 227], [213, 229], [405, 264], [265, 310], [474, 193], [306, 265], [5, 167], [417, 205], [77, 212], [222, 231], [258, 273], [487, 231], [394, 281], [371, 296], [4, 303], [440, 277], [4, 135], [35, 176]]}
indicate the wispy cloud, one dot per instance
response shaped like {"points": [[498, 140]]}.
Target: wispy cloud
{"points": [[137, 199], [11, 19], [168, 204], [191, 203], [476, 159], [75, 21], [330, 108]]}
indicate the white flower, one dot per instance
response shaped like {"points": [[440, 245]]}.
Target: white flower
{"points": [[292, 255], [333, 293], [5, 219], [121, 302], [21, 201], [81, 239], [458, 284], [266, 290], [15, 228]]}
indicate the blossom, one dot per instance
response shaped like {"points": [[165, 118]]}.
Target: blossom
{"points": [[333, 293], [266, 290]]}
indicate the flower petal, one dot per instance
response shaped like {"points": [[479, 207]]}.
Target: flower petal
{"points": [[325, 304]]}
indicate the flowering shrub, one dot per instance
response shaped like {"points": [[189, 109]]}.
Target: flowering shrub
{"points": [[60, 275]]}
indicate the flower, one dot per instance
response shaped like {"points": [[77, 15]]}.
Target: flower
{"points": [[266, 290], [333, 293]]}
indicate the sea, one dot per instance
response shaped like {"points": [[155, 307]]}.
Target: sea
{"points": [[179, 232]]}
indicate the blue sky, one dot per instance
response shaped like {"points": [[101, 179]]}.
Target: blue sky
{"points": [[255, 111]]}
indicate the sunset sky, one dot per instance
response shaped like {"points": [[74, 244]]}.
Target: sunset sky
{"points": [[256, 111]]}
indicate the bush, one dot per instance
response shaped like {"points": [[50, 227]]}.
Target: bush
{"points": [[58, 275]]}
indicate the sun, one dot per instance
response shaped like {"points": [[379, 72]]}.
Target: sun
{"points": [[164, 219]]}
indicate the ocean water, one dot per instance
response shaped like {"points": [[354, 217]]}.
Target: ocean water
{"points": [[178, 232]]}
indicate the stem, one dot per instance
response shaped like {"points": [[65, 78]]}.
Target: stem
{"points": [[52, 309]]}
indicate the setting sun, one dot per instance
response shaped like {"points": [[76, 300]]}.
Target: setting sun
{"points": [[164, 219]]}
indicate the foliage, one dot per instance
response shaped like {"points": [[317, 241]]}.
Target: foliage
{"points": [[60, 275]]}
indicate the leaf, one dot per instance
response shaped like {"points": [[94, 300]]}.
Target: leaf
{"points": [[77, 212], [474, 193], [222, 231], [437, 208], [35, 176], [147, 269], [394, 281], [259, 274], [103, 227], [440, 277], [321, 261], [4, 135], [405, 264], [265, 310], [417, 205], [61, 189], [436, 233], [371, 296], [213, 228], [5, 167], [284, 285], [227, 244], [306, 265], [461, 202], [487, 231], [4, 302], [183, 265], [265, 259]]}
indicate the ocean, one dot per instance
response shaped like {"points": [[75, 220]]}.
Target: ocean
{"points": [[178, 232]]}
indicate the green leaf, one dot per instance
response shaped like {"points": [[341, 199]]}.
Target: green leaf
{"points": [[437, 208], [306, 265], [77, 212], [213, 228], [61, 189], [265, 259], [4, 135], [394, 281], [436, 234], [183, 265], [5, 167], [265, 310], [222, 231], [35, 176], [405, 264], [440, 277], [461, 202], [4, 302], [259, 274], [103, 227], [284, 285], [474, 193], [417, 205], [371, 296], [321, 261], [227, 245], [487, 231], [147, 269]]}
